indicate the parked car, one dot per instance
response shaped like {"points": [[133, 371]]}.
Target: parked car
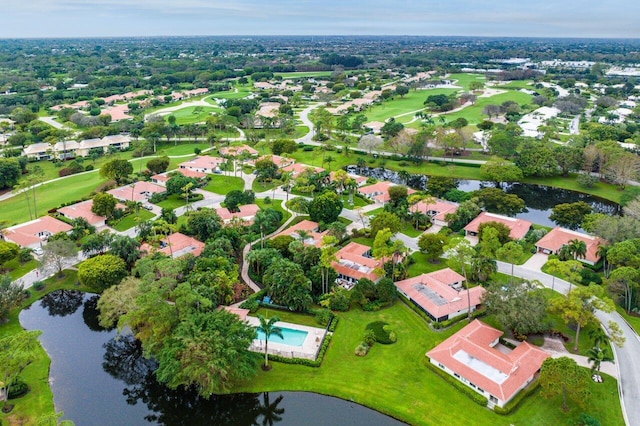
{"points": [[38, 251]]}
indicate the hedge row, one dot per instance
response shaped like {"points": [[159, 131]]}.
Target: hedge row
{"points": [[473, 395], [452, 321], [302, 361], [515, 402]]}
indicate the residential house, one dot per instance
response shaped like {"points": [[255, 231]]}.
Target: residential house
{"points": [[379, 192], [244, 216], [518, 228], [436, 209], [83, 209], [203, 164], [314, 237], [475, 357], [119, 142], [162, 178], [297, 168], [66, 149], [176, 245], [277, 160], [234, 151], [138, 191], [354, 261], [441, 294], [38, 151], [559, 237], [32, 234]]}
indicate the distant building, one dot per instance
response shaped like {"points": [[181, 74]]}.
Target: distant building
{"points": [[440, 294], [138, 191], [476, 358], [203, 164]]}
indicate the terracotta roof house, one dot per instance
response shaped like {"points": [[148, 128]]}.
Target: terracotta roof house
{"points": [[176, 245], [436, 209], [277, 160], [558, 237], [139, 191], [440, 294], [308, 226], [32, 234], [203, 164], [518, 227], [245, 215], [162, 178], [237, 150], [379, 192], [297, 168], [354, 261], [475, 357], [360, 180], [83, 209]]}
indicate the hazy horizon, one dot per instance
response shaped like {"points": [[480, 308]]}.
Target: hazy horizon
{"points": [[166, 18]]}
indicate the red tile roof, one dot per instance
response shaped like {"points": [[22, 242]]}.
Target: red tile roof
{"points": [[82, 209], [518, 227], [297, 168], [351, 262], [237, 150], [559, 237], [35, 231], [177, 244], [315, 238], [440, 207], [435, 294], [380, 191], [203, 163], [468, 354], [139, 191], [246, 213]]}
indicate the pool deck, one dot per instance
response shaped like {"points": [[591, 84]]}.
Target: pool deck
{"points": [[309, 349]]}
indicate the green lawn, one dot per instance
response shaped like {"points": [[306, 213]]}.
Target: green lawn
{"points": [[192, 114], [285, 316], [404, 387], [275, 205], [423, 266], [463, 79], [257, 186], [409, 230], [223, 184], [23, 269], [412, 101], [173, 201], [303, 74], [357, 202], [181, 148], [131, 220], [239, 93], [633, 320], [474, 114]]}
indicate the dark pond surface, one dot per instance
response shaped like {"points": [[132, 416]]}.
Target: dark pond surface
{"points": [[539, 199], [98, 379]]}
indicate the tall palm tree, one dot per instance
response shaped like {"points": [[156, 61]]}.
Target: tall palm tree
{"points": [[578, 248], [267, 326], [602, 252], [596, 357], [599, 337]]}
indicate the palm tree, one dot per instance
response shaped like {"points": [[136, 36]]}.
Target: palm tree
{"points": [[578, 248], [303, 235], [602, 252], [267, 326], [596, 357], [599, 337], [482, 267]]}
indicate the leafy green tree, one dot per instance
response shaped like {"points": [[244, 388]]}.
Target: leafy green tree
{"points": [[266, 221], [503, 144], [563, 377], [481, 268], [81, 228], [177, 182], [10, 295], [489, 243], [126, 248], [102, 272], [570, 215], [158, 165], [8, 251], [236, 198], [203, 224], [97, 243], [10, 172], [55, 252], [195, 355], [498, 170], [596, 356], [402, 90], [325, 208], [268, 327], [579, 306], [569, 158], [497, 201], [260, 259], [384, 220], [116, 169], [519, 307], [467, 211], [511, 253], [287, 284], [459, 254], [432, 245], [502, 231], [104, 204], [266, 169], [17, 351], [622, 282], [536, 159], [440, 185]]}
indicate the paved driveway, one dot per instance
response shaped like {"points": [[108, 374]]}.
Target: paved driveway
{"points": [[536, 261]]}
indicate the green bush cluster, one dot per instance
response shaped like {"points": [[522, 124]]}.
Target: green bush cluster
{"points": [[448, 323], [17, 389], [474, 396], [382, 332], [513, 404]]}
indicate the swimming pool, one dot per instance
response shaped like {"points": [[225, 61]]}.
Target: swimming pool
{"points": [[290, 337]]}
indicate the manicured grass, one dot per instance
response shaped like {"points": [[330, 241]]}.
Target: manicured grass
{"points": [[132, 220], [404, 387], [223, 184], [39, 400], [600, 189], [633, 321], [23, 269], [257, 186], [242, 92], [463, 79], [181, 148], [411, 102], [357, 202], [192, 114], [422, 265], [517, 84], [286, 316], [474, 114], [409, 230], [173, 201], [364, 241], [275, 205]]}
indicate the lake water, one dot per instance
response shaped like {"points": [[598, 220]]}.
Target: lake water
{"points": [[539, 199], [100, 379]]}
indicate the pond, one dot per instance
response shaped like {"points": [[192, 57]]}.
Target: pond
{"points": [[539, 199], [100, 379]]}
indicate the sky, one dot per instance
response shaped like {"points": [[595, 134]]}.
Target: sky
{"points": [[517, 18]]}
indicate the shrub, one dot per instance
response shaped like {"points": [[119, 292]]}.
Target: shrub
{"points": [[362, 349], [17, 389], [303, 361], [38, 285], [64, 172], [24, 255], [251, 304], [382, 332], [339, 300], [588, 276], [369, 338], [89, 168], [323, 316], [586, 181]]}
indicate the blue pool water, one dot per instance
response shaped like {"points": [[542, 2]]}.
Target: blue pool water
{"points": [[290, 336]]}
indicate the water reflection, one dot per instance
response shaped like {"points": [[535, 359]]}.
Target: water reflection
{"points": [[99, 378]]}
